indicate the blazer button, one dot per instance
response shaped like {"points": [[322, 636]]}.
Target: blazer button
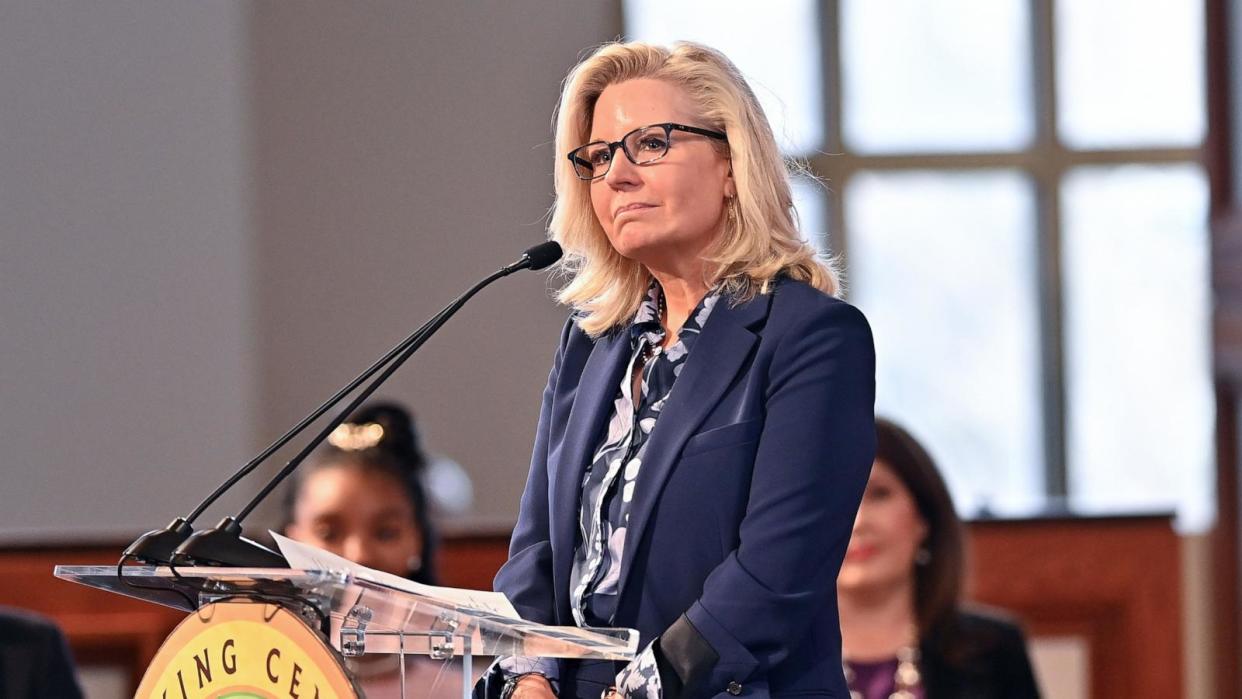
{"points": [[735, 688]]}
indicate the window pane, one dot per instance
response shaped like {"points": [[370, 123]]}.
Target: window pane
{"points": [[943, 266], [1130, 73], [777, 49], [949, 75], [1140, 408], [811, 202]]}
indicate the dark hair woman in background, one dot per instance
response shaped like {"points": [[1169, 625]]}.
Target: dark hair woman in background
{"points": [[905, 634], [361, 495]]}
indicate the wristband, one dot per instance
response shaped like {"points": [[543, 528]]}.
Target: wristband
{"points": [[511, 684]]}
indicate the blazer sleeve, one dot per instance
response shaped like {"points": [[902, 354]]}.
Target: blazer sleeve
{"points": [[811, 466], [526, 578]]}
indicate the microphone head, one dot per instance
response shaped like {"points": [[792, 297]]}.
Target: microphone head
{"points": [[543, 254]]}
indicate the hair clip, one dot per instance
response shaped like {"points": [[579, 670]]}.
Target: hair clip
{"points": [[349, 436]]}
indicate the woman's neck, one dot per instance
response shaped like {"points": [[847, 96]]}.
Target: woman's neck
{"points": [[681, 295], [876, 623]]}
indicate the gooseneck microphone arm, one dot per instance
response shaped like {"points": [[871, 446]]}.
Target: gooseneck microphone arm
{"points": [[409, 351], [210, 546], [157, 546], [306, 421]]}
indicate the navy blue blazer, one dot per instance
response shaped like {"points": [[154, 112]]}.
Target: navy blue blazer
{"points": [[744, 506]]}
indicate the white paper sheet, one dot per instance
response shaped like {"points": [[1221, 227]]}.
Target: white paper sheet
{"points": [[306, 557]]}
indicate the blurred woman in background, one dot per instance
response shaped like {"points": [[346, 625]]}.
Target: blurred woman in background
{"points": [[905, 634], [361, 497]]}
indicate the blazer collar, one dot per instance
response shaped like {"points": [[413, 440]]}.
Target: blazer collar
{"points": [[592, 404], [722, 349]]}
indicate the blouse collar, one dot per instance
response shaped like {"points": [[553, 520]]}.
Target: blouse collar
{"points": [[647, 319]]}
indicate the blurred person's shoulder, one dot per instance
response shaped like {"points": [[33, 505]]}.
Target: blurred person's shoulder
{"points": [[979, 650], [22, 626], [34, 657], [987, 626]]}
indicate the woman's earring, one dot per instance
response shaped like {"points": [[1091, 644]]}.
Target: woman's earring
{"points": [[414, 563], [732, 209], [922, 557]]}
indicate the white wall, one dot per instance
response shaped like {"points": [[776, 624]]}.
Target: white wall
{"points": [[213, 214]]}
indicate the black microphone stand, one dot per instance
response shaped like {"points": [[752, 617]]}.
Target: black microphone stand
{"points": [[223, 544], [157, 546]]}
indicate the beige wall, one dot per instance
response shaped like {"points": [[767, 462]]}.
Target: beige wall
{"points": [[126, 359], [214, 214], [402, 152]]}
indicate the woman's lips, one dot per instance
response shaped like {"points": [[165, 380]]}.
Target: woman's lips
{"points": [[632, 208], [857, 554]]}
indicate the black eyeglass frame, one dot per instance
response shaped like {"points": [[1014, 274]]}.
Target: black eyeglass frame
{"points": [[669, 128]]}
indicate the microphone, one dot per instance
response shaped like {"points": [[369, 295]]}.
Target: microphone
{"points": [[537, 257], [223, 545]]}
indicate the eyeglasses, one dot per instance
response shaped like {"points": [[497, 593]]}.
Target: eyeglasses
{"points": [[642, 145]]}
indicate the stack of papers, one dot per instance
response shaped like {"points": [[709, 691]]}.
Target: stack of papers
{"points": [[306, 557]]}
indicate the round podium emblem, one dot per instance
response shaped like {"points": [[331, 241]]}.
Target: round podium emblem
{"points": [[245, 650]]}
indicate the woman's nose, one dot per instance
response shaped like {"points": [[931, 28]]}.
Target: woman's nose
{"points": [[860, 519], [358, 550], [622, 172]]}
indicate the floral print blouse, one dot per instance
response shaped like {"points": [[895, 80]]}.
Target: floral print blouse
{"points": [[608, 486]]}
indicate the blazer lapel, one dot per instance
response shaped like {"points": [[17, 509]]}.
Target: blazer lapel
{"points": [[721, 350], [601, 378]]}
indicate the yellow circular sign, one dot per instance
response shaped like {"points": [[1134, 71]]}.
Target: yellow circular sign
{"points": [[245, 650]]}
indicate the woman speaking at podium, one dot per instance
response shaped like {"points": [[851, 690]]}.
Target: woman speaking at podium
{"points": [[707, 427]]}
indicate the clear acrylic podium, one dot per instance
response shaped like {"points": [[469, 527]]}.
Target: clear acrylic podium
{"points": [[359, 617]]}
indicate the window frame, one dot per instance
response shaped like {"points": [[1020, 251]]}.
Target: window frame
{"points": [[1046, 160]]}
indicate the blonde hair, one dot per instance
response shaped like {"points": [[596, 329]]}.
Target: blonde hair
{"points": [[758, 242]]}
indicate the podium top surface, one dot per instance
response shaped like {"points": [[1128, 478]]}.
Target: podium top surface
{"points": [[393, 618]]}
